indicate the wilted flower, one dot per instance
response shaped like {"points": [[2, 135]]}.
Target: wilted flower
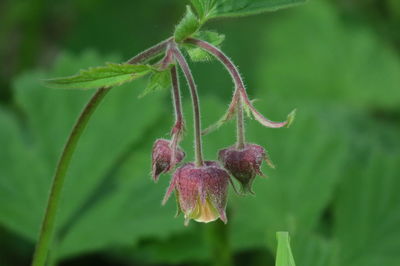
{"points": [[201, 191], [162, 157], [244, 164]]}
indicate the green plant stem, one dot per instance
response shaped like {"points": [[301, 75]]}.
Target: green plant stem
{"points": [[48, 224], [240, 129], [196, 105]]}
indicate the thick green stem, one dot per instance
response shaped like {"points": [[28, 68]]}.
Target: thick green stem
{"points": [[48, 224], [49, 221], [240, 126], [196, 106]]}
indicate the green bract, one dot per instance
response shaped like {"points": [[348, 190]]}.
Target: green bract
{"points": [[187, 26]]}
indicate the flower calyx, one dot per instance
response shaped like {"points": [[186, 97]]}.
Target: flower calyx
{"points": [[244, 164]]}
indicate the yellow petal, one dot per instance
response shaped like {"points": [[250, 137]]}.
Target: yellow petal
{"points": [[204, 213]]}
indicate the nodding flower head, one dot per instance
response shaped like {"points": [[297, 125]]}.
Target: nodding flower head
{"points": [[162, 157], [244, 164], [201, 191]]}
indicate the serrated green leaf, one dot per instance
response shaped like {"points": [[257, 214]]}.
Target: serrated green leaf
{"points": [[96, 77], [187, 26], [158, 80], [284, 256], [233, 8]]}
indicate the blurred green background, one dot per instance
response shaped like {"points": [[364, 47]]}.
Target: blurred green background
{"points": [[336, 186]]}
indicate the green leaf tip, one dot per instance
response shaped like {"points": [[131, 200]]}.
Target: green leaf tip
{"points": [[187, 26], [238, 8], [284, 256], [105, 76], [290, 118]]}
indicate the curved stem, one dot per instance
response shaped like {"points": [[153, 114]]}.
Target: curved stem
{"points": [[49, 220], [48, 224], [240, 126], [196, 105], [240, 89], [232, 69], [239, 85]]}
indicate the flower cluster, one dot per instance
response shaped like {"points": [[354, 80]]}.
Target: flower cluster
{"points": [[201, 187]]}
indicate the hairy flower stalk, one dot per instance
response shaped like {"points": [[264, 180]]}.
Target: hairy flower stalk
{"points": [[240, 134], [150, 53], [166, 153], [240, 89], [179, 126], [195, 102]]}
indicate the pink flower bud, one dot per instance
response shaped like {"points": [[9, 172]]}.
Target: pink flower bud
{"points": [[162, 156], [244, 164], [201, 191]]}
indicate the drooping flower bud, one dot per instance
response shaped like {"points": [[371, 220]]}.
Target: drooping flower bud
{"points": [[202, 191], [162, 157], [244, 164]]}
